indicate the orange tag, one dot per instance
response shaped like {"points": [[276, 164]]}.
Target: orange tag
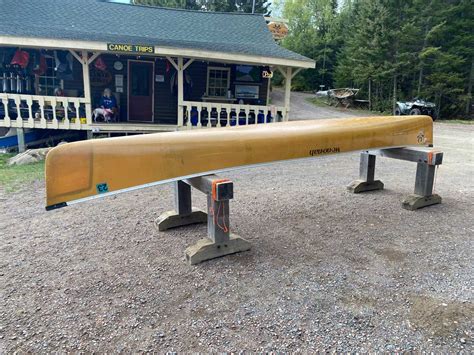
{"points": [[214, 187]]}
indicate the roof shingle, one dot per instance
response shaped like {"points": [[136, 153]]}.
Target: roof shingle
{"points": [[101, 21]]}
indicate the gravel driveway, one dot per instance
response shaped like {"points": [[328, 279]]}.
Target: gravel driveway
{"points": [[328, 270], [301, 109]]}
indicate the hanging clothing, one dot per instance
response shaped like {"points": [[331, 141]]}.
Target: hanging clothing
{"points": [[63, 68], [40, 66], [100, 64], [21, 58], [188, 84]]}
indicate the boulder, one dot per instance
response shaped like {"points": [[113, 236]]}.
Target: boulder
{"points": [[29, 156]]}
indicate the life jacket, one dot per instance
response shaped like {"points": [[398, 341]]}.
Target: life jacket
{"points": [[21, 58], [41, 67], [100, 64]]}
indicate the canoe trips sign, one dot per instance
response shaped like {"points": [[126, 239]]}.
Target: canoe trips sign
{"points": [[130, 48]]}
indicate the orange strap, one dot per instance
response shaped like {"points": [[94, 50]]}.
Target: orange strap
{"points": [[216, 216]]}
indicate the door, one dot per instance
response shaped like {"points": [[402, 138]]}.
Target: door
{"points": [[140, 91]]}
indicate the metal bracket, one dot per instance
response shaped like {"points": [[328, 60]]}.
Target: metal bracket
{"points": [[219, 241], [426, 158]]}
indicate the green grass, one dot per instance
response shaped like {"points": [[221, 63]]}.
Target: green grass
{"points": [[14, 178], [318, 101]]}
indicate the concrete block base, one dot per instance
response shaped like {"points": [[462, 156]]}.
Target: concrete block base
{"points": [[414, 202], [172, 219], [206, 249], [359, 186]]}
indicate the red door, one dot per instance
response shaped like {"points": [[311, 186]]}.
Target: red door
{"points": [[140, 91]]}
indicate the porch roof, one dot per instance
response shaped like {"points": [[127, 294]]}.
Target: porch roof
{"points": [[94, 23]]}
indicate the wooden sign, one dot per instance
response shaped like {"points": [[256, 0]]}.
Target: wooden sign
{"points": [[267, 74], [130, 48], [278, 29]]}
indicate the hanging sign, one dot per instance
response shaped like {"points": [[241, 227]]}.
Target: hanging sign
{"points": [[279, 30], [267, 74], [130, 48]]}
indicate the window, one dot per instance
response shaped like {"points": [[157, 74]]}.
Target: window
{"points": [[218, 81], [48, 81]]}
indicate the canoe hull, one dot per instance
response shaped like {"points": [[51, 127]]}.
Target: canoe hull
{"points": [[92, 168]]}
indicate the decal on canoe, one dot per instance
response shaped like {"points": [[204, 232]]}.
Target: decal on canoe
{"points": [[102, 188], [314, 152], [421, 137]]}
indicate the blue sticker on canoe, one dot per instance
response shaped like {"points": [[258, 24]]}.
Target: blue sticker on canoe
{"points": [[102, 188]]}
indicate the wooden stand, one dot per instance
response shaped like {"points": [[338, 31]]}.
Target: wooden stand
{"points": [[219, 241], [426, 158]]}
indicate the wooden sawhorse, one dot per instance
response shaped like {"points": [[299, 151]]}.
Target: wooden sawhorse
{"points": [[427, 160], [219, 241]]}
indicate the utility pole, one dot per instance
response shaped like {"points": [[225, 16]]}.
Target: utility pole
{"points": [[253, 6]]}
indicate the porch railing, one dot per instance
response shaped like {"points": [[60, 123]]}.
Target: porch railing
{"points": [[34, 111], [57, 112], [211, 114]]}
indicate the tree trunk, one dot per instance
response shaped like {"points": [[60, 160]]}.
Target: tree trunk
{"points": [[394, 104], [438, 104], [420, 80], [469, 88], [370, 94], [422, 63]]}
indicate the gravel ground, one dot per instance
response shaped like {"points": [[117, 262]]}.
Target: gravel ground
{"points": [[301, 109], [328, 270]]}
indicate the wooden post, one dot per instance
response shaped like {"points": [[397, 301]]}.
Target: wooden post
{"points": [[20, 133], [87, 86], [269, 83], [288, 77], [180, 92]]}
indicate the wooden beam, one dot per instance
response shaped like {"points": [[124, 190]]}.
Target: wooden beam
{"points": [[296, 72], [188, 63], [87, 85], [93, 57], [288, 77], [268, 90], [173, 63], [180, 92], [225, 57], [75, 55], [280, 69]]}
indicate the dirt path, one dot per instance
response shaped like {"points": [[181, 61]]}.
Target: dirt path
{"points": [[301, 109], [328, 270]]}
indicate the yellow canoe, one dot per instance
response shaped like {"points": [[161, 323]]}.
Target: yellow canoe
{"points": [[94, 168]]}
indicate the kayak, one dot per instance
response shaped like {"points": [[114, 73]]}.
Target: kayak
{"points": [[83, 170]]}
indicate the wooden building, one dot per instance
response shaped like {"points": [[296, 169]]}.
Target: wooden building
{"points": [[168, 69]]}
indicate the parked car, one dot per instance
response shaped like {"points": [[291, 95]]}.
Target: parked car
{"points": [[416, 107]]}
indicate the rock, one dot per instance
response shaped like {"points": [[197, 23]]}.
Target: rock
{"points": [[29, 157]]}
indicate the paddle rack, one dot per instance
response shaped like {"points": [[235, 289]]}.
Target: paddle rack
{"points": [[427, 160], [219, 241]]}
